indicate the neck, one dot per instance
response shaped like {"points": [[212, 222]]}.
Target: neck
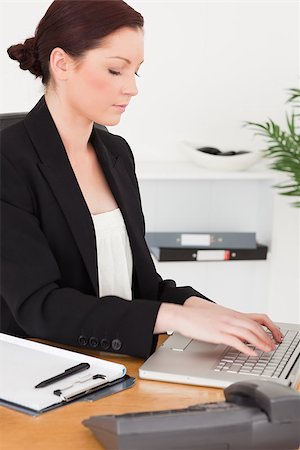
{"points": [[74, 129]]}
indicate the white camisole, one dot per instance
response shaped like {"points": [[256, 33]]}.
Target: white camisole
{"points": [[114, 255]]}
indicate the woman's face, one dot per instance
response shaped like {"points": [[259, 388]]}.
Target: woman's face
{"points": [[102, 84]]}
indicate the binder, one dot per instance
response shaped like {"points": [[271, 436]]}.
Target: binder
{"points": [[195, 254], [24, 364], [203, 240]]}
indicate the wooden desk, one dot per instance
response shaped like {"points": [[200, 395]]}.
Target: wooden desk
{"points": [[61, 429]]}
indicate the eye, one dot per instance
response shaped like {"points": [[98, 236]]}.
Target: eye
{"points": [[113, 72], [137, 74]]}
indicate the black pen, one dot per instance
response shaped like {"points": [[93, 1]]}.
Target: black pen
{"points": [[79, 368]]}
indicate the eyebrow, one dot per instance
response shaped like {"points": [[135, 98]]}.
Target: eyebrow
{"points": [[121, 57]]}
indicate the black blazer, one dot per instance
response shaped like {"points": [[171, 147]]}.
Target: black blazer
{"points": [[49, 263]]}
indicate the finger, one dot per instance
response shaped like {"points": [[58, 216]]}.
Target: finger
{"points": [[233, 341], [258, 321], [265, 320], [243, 333], [251, 325]]}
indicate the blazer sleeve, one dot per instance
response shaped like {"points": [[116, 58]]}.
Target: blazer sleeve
{"points": [[40, 306], [169, 292]]}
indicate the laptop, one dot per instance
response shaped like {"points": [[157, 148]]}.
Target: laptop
{"points": [[184, 360]]}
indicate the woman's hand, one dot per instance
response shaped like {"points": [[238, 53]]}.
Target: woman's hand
{"points": [[209, 322]]}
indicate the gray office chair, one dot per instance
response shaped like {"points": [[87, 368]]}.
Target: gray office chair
{"points": [[7, 119]]}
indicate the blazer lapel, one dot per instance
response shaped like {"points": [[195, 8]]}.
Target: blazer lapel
{"points": [[127, 198], [58, 172]]}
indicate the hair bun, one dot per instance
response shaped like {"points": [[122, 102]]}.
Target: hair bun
{"points": [[27, 56]]}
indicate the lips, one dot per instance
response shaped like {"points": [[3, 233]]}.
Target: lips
{"points": [[121, 107]]}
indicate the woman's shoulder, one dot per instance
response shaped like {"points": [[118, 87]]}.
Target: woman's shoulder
{"points": [[14, 140], [12, 132]]}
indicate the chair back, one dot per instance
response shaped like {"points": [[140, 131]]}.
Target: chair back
{"points": [[7, 119]]}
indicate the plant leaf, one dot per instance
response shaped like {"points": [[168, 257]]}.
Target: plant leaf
{"points": [[283, 147]]}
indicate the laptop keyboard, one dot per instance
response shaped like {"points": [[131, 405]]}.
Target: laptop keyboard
{"points": [[268, 365]]}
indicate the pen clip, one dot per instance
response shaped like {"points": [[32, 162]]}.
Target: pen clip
{"points": [[83, 390]]}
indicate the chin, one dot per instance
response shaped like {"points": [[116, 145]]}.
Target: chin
{"points": [[108, 122]]}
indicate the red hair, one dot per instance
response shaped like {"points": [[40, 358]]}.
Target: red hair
{"points": [[75, 26]]}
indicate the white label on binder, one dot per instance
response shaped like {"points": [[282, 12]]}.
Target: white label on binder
{"points": [[196, 239], [211, 255]]}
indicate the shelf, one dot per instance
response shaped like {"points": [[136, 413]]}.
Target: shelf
{"points": [[183, 196], [188, 171], [210, 263]]}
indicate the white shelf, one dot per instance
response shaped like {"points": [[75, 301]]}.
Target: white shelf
{"points": [[165, 170], [180, 196]]}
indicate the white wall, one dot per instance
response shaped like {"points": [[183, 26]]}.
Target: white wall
{"points": [[209, 66]]}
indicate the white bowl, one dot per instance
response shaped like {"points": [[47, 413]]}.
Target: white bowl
{"points": [[217, 162]]}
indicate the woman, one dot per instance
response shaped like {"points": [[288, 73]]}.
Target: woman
{"points": [[75, 267]]}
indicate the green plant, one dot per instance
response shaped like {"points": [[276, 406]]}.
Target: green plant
{"points": [[284, 146]]}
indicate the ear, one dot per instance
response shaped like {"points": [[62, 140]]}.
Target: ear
{"points": [[60, 64]]}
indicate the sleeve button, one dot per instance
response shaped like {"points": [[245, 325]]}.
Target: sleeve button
{"points": [[105, 344], [83, 340], [116, 344], [94, 342]]}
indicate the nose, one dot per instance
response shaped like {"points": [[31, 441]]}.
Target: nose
{"points": [[130, 87]]}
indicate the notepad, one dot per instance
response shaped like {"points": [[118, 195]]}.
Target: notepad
{"points": [[25, 363]]}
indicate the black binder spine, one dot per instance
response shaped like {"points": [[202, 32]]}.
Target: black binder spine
{"points": [[195, 254]]}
